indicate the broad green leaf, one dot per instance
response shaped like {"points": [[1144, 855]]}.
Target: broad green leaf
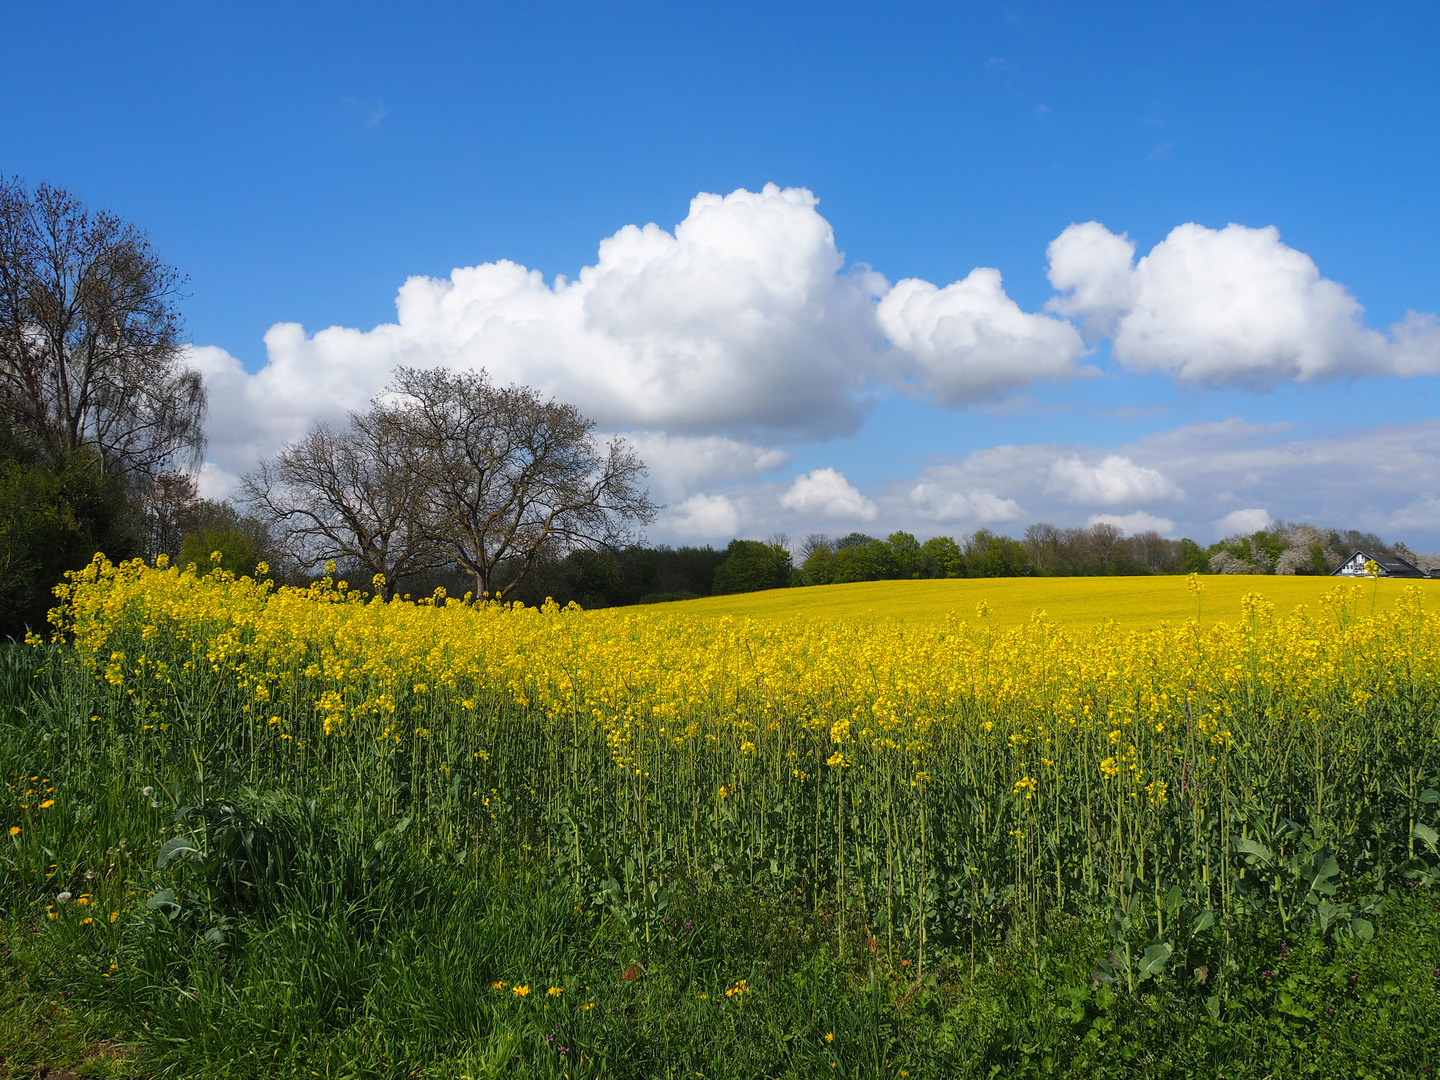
{"points": [[178, 847], [1154, 961], [1246, 846], [1421, 831], [165, 898]]}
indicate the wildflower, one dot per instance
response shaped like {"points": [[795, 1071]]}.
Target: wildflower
{"points": [[498, 984], [63, 897], [86, 921], [47, 804], [522, 991], [829, 1036], [555, 991], [14, 830], [587, 1006], [147, 791]]}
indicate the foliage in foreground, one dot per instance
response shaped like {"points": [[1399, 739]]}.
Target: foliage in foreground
{"points": [[504, 975], [325, 828]]}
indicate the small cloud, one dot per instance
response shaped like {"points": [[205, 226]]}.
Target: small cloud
{"points": [[1042, 109], [1138, 522], [828, 493], [371, 112], [705, 516], [1114, 481], [979, 507], [1243, 522], [1423, 513]]}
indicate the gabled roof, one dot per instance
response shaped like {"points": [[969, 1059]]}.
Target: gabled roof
{"points": [[1390, 565]]}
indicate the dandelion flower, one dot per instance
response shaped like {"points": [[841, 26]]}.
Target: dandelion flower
{"points": [[14, 830], [829, 1036], [522, 991], [555, 991]]}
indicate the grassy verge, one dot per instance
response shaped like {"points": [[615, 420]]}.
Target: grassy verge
{"points": [[420, 972]]}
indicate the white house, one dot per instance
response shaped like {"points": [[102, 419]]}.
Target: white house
{"points": [[1390, 565]]}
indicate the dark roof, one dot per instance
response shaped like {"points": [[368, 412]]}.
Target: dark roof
{"points": [[1390, 565]]}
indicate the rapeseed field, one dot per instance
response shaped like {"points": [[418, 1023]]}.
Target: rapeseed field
{"points": [[300, 831], [1131, 603], [932, 776]]}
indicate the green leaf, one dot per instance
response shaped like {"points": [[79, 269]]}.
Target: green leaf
{"points": [[165, 898], [1430, 795], [1253, 848], [179, 847], [1172, 900], [1424, 832], [1203, 922], [1152, 964], [1212, 1006], [1363, 929]]}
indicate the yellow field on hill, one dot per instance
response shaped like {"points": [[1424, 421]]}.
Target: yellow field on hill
{"points": [[1132, 602]]}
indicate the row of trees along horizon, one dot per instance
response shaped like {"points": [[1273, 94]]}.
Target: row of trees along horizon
{"points": [[444, 481]]}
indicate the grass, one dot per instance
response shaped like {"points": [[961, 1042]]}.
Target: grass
{"points": [[410, 979], [1080, 602]]}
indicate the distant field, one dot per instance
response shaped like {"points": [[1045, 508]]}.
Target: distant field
{"points": [[1083, 601]]}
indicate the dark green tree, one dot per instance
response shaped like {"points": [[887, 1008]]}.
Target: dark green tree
{"points": [[752, 565]]}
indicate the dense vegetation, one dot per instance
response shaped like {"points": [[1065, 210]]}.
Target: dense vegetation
{"points": [[262, 832]]}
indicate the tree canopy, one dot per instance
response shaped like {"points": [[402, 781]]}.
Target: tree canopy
{"points": [[91, 347]]}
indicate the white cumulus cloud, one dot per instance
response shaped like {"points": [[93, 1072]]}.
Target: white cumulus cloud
{"points": [[740, 321], [827, 493], [932, 501], [681, 464], [1243, 521], [1115, 481], [704, 517], [970, 342], [1222, 306], [1138, 522]]}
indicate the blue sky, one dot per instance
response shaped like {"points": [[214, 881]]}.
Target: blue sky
{"points": [[301, 166]]}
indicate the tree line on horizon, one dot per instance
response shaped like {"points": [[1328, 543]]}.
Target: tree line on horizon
{"points": [[641, 575]]}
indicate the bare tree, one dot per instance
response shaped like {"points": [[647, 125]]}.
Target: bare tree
{"points": [[347, 495], [90, 336], [166, 502], [509, 477]]}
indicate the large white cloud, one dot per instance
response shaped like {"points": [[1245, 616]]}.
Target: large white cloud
{"points": [[1115, 481], [1231, 305], [721, 345], [970, 342], [741, 321], [826, 493]]}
